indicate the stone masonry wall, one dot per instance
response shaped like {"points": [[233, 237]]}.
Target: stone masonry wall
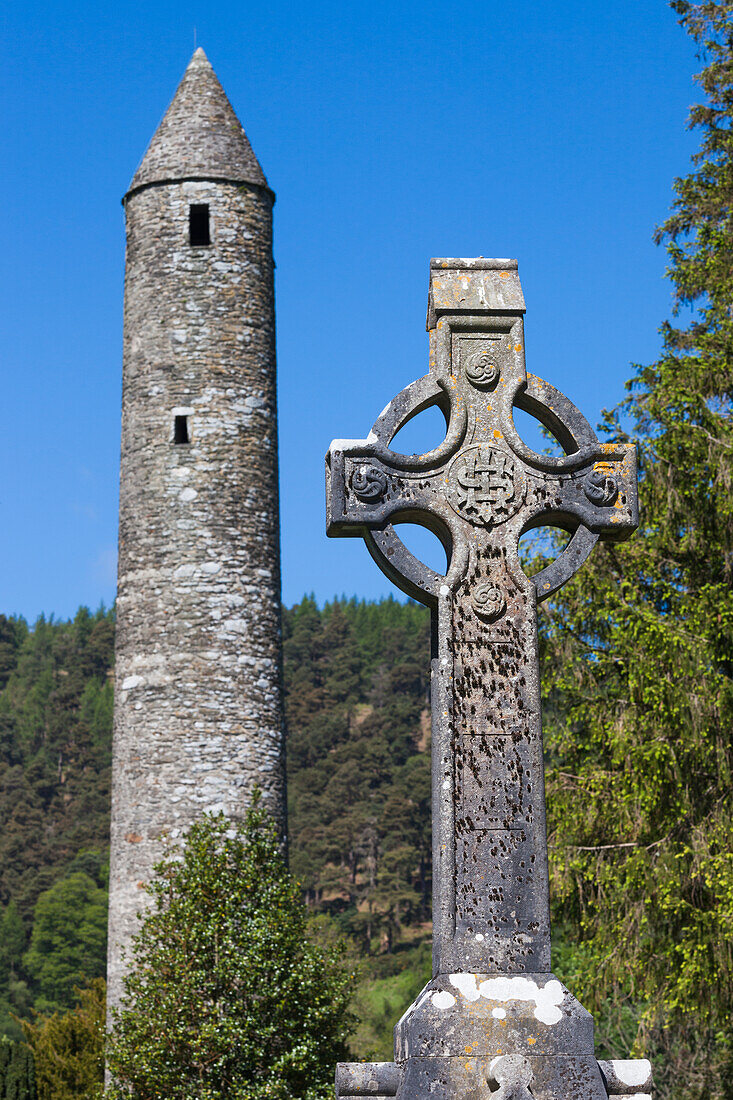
{"points": [[198, 712]]}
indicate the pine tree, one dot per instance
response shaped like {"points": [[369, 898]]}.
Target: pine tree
{"points": [[68, 1047], [17, 1072], [69, 939], [640, 664]]}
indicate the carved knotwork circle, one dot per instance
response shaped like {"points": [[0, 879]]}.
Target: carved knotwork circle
{"points": [[601, 487], [489, 602], [485, 486], [369, 484], [481, 370]]}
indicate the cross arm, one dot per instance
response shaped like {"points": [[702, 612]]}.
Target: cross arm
{"points": [[598, 500], [601, 495], [367, 482], [365, 495], [363, 492]]}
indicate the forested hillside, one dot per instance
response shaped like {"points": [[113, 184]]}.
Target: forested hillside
{"points": [[55, 737], [357, 687], [359, 784]]}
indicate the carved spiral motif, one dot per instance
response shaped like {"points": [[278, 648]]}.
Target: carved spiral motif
{"points": [[369, 484], [481, 370], [601, 487], [488, 601]]}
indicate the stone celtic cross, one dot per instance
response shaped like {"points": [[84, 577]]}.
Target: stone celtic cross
{"points": [[493, 1016]]}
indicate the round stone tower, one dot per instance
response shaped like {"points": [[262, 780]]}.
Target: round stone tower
{"points": [[198, 702]]}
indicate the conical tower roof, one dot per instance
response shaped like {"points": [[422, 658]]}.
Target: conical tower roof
{"points": [[200, 136]]}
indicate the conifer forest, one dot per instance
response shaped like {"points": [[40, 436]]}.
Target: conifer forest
{"points": [[637, 675]]}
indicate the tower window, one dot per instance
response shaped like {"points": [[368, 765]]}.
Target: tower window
{"points": [[180, 429], [198, 224]]}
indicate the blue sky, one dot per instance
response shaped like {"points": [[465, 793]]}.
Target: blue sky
{"points": [[391, 132]]}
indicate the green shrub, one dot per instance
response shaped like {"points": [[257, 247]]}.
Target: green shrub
{"points": [[227, 996]]}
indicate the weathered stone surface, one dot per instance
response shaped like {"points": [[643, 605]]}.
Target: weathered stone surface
{"points": [[492, 993], [627, 1076], [198, 707]]}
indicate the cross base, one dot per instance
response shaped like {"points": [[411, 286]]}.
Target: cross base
{"points": [[511, 1037]]}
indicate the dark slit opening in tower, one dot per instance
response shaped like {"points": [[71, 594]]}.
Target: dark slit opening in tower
{"points": [[180, 429], [198, 223]]}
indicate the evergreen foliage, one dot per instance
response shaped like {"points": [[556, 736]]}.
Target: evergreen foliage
{"points": [[69, 939], [68, 1047], [17, 1073], [357, 703], [14, 990], [227, 997], [640, 664], [55, 742]]}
